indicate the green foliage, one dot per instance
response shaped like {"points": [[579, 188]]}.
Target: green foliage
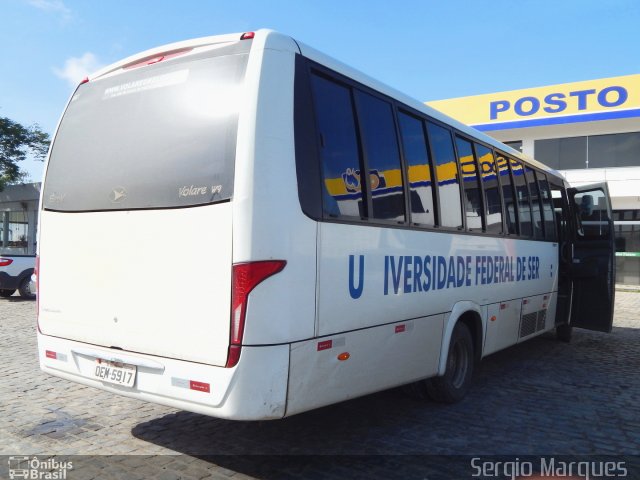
{"points": [[16, 141]]}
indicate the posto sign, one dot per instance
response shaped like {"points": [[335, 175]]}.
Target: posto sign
{"points": [[579, 100]]}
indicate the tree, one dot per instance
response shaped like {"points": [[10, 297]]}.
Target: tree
{"points": [[16, 141]]}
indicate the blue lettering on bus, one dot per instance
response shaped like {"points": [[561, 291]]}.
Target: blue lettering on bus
{"points": [[354, 291], [441, 272], [412, 274], [417, 273], [407, 273], [404, 274], [427, 273]]}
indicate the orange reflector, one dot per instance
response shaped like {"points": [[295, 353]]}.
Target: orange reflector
{"points": [[493, 318], [344, 356]]}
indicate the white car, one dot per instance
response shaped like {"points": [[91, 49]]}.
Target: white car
{"points": [[15, 274]]}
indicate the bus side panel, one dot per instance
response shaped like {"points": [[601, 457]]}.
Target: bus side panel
{"points": [[268, 222], [538, 316], [503, 325], [377, 358], [515, 321], [373, 275]]}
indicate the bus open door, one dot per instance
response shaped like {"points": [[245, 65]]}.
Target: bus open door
{"points": [[593, 263]]}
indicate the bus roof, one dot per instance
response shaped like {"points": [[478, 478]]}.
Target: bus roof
{"points": [[266, 38]]}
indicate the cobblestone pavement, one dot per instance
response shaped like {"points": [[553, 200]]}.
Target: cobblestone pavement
{"points": [[541, 397]]}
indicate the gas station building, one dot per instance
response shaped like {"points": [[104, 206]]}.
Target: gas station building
{"points": [[589, 131]]}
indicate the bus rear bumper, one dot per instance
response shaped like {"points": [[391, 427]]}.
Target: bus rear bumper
{"points": [[255, 389]]}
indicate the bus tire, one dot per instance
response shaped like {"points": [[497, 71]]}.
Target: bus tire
{"points": [[563, 333], [4, 292], [454, 384], [25, 289]]}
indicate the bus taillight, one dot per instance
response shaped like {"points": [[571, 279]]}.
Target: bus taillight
{"points": [[245, 277]]}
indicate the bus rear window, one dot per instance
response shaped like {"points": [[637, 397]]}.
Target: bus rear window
{"points": [[155, 137]]}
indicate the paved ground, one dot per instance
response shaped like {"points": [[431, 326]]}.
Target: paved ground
{"points": [[542, 397]]}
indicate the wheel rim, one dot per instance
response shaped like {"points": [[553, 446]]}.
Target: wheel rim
{"points": [[458, 364]]}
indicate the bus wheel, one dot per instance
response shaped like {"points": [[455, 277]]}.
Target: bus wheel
{"points": [[454, 384], [563, 333], [25, 289], [6, 293]]}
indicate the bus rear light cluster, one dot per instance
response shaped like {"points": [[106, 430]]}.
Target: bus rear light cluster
{"points": [[244, 278]]}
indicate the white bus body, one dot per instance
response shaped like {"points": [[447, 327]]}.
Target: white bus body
{"points": [[148, 255]]}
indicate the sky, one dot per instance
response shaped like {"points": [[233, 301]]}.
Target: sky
{"points": [[429, 49]]}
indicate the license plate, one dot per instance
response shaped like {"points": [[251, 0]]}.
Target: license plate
{"points": [[115, 372]]}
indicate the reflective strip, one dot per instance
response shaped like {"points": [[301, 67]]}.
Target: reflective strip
{"points": [[199, 386], [179, 382], [190, 384], [329, 344], [56, 356]]}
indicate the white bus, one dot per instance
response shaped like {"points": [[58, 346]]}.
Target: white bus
{"points": [[207, 242]]}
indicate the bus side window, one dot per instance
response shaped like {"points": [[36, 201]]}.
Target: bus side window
{"points": [[507, 193], [547, 208], [419, 175], [339, 152], [447, 176], [522, 195], [536, 204], [382, 157], [489, 175], [470, 184]]}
